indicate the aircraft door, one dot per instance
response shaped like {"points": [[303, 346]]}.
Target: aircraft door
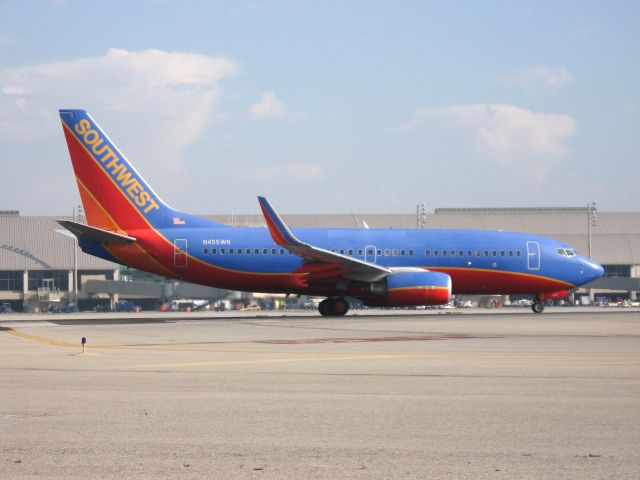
{"points": [[370, 254], [533, 255], [180, 252]]}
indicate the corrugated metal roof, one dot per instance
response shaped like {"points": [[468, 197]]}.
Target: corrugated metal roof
{"points": [[543, 223], [32, 243]]}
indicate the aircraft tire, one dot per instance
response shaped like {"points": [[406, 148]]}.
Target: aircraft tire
{"points": [[324, 307], [333, 307], [537, 307], [339, 306]]}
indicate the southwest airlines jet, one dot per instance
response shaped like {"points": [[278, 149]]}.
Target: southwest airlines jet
{"points": [[128, 223]]}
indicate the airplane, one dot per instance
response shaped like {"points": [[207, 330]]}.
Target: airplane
{"points": [[128, 223]]}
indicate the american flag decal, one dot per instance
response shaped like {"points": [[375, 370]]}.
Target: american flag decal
{"points": [[178, 221]]}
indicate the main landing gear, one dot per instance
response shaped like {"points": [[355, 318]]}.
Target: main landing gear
{"points": [[537, 306], [333, 307]]}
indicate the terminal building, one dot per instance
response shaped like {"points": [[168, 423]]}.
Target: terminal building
{"points": [[41, 266]]}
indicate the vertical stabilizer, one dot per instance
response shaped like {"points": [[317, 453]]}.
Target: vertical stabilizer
{"points": [[114, 195]]}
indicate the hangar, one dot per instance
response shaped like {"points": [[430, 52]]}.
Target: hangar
{"points": [[37, 262]]}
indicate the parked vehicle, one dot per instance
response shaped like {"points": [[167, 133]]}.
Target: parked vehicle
{"points": [[120, 306], [68, 308], [126, 306]]}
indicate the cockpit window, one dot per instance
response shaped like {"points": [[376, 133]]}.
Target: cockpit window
{"points": [[561, 251], [566, 252], [570, 253]]}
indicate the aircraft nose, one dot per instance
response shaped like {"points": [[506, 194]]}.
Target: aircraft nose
{"points": [[592, 270]]}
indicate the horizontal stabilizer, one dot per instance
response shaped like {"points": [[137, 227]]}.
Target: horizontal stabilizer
{"points": [[98, 235]]}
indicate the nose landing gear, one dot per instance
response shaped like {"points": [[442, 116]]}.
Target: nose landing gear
{"points": [[333, 307]]}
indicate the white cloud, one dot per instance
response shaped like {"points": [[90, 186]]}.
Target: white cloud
{"points": [[268, 107], [158, 102], [507, 134], [9, 90], [536, 77]]}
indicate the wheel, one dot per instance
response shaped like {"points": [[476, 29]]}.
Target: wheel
{"points": [[324, 307], [537, 307], [333, 307], [339, 306]]}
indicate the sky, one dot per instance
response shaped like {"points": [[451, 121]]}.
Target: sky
{"points": [[328, 107]]}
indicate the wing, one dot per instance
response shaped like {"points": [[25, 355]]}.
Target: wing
{"points": [[321, 264]]}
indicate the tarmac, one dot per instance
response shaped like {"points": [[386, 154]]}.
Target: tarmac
{"points": [[374, 395]]}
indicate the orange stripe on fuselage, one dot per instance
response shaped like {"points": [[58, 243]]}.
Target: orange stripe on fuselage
{"points": [[480, 280]]}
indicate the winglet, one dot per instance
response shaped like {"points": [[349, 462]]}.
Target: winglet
{"points": [[277, 228]]}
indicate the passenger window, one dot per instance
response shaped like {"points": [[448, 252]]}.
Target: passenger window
{"points": [[222, 251], [386, 252], [486, 253], [273, 251], [511, 253], [213, 251], [248, 251], [518, 254], [494, 253], [477, 253], [282, 251], [435, 253], [411, 253], [350, 251], [360, 252], [469, 253], [402, 252], [239, 251], [341, 252], [379, 252], [427, 253], [461, 253], [256, 251], [231, 251], [395, 252], [444, 253], [502, 253], [205, 251]]}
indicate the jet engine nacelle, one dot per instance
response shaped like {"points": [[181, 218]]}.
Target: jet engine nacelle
{"points": [[419, 287]]}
